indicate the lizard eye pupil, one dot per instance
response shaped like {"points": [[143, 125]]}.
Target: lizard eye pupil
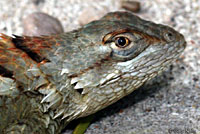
{"points": [[122, 41]]}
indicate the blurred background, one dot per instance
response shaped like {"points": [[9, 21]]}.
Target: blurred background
{"points": [[168, 104]]}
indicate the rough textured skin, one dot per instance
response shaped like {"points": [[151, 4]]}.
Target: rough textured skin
{"points": [[45, 82]]}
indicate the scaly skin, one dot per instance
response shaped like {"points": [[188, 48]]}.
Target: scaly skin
{"points": [[45, 82]]}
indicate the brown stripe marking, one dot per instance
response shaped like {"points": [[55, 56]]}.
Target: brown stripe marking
{"points": [[30, 47], [110, 35]]}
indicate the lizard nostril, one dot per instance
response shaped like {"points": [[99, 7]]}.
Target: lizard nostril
{"points": [[169, 36]]}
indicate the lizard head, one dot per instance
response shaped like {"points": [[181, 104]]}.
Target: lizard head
{"points": [[107, 59], [131, 51]]}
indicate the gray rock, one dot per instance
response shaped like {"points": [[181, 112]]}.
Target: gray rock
{"points": [[38, 23], [133, 6]]}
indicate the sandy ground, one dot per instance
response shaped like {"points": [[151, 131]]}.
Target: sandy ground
{"points": [[168, 104]]}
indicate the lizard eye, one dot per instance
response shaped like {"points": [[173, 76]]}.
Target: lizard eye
{"points": [[122, 42]]}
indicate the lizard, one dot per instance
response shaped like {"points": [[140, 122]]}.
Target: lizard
{"points": [[48, 81]]}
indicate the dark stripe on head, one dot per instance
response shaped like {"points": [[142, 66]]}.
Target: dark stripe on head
{"points": [[5, 73], [19, 43]]}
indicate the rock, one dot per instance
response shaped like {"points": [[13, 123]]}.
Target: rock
{"points": [[37, 2], [39, 23], [132, 6]]}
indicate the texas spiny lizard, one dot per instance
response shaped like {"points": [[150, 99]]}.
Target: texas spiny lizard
{"points": [[47, 81]]}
